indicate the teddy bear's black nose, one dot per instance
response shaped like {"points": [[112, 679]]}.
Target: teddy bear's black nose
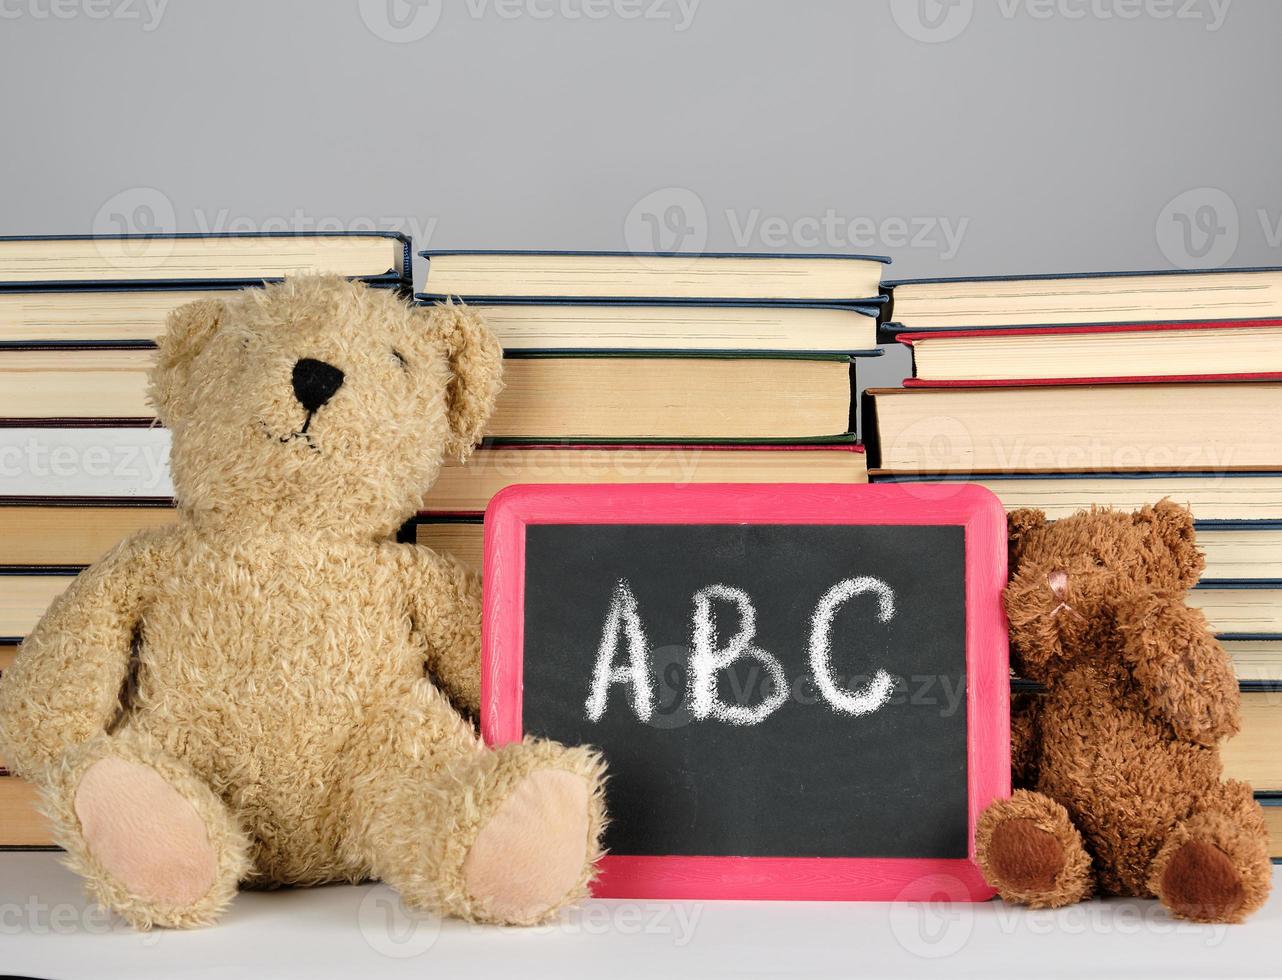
{"points": [[315, 382]]}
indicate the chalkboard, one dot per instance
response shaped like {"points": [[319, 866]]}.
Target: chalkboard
{"points": [[783, 680]]}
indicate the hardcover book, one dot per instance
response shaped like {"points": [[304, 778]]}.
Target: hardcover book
{"points": [[1131, 427], [1084, 298], [1213, 350], [558, 325], [1223, 497], [536, 276], [645, 397], [61, 261]]}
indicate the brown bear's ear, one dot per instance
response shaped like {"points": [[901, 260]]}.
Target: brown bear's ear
{"points": [[1173, 525], [1019, 523], [476, 362], [187, 331]]}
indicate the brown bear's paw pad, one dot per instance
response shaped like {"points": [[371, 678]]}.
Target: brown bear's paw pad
{"points": [[1024, 857], [1201, 883], [531, 853], [144, 834]]}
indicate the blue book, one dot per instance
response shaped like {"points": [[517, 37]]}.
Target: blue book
{"points": [[93, 261], [108, 315], [562, 326], [656, 277]]}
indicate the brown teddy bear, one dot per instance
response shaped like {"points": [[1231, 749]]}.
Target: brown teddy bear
{"points": [[269, 692], [1119, 756]]}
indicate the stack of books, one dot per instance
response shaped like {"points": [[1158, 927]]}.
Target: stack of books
{"points": [[1063, 392], [79, 317], [663, 368], [619, 368]]}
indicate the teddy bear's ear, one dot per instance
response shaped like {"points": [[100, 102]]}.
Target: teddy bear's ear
{"points": [[187, 331], [1019, 523], [476, 363], [1173, 525]]}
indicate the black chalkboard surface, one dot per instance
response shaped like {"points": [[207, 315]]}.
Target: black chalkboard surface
{"points": [[792, 687], [807, 780]]}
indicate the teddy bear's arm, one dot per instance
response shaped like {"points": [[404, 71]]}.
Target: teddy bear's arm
{"points": [[445, 609], [65, 684], [1183, 674]]}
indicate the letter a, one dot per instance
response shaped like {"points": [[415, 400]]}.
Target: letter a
{"points": [[624, 620]]}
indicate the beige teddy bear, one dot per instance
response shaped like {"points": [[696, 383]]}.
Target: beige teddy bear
{"points": [[270, 692]]}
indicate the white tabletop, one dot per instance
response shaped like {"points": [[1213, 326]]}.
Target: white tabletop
{"points": [[49, 930]]}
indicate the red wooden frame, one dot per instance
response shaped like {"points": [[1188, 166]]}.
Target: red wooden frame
{"points": [[776, 878]]}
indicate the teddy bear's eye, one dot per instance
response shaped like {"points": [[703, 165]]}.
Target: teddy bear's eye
{"points": [[400, 358]]}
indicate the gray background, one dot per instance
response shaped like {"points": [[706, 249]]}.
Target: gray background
{"points": [[961, 137]]}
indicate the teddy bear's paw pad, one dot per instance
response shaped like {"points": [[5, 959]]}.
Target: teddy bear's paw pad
{"points": [[531, 853], [1025, 858], [144, 834], [1201, 883]]}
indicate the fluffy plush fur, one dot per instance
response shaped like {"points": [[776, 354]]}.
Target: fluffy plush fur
{"points": [[1118, 759], [272, 692]]}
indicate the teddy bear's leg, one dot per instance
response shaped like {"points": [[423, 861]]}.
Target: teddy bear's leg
{"points": [[1214, 867], [151, 840], [1029, 850], [508, 835]]}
